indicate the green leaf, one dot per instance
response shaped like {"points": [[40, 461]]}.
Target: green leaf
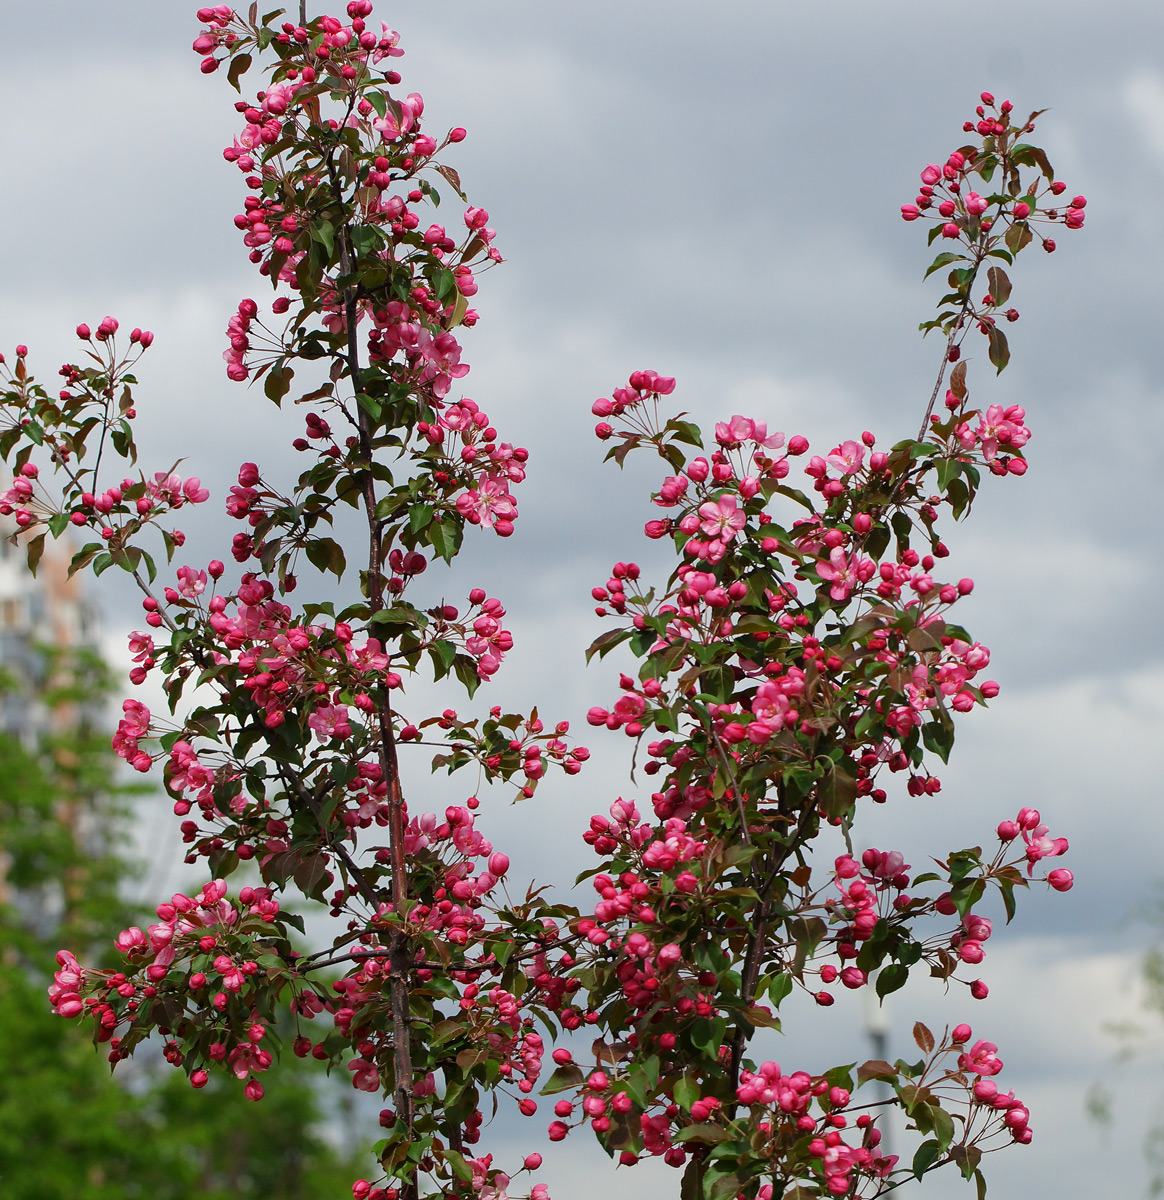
{"points": [[278, 383], [876, 1068], [999, 352], [325, 554], [1007, 890], [890, 978], [685, 431], [943, 260], [324, 234], [943, 1126], [461, 1168], [239, 65], [927, 1154], [419, 517], [779, 986], [564, 1078], [445, 537], [35, 549], [938, 738], [966, 893], [84, 557], [999, 285], [902, 527], [691, 1185], [949, 469], [838, 792], [1018, 236], [962, 862], [709, 1134], [606, 642], [1037, 155], [958, 495], [686, 1093]]}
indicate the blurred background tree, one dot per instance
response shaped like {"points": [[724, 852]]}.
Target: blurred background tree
{"points": [[68, 1130], [1138, 1042]]}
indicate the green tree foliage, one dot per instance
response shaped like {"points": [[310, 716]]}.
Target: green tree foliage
{"points": [[68, 1131]]}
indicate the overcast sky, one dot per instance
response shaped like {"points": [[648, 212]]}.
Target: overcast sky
{"points": [[712, 191]]}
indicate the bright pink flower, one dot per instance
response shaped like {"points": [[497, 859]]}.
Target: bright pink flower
{"points": [[330, 721], [722, 518], [193, 490], [365, 1075], [981, 1059], [845, 572], [1041, 845], [191, 583], [847, 457]]}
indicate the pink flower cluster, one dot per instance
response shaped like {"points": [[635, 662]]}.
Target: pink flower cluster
{"points": [[961, 210], [998, 428], [785, 1100], [65, 991], [642, 386], [1039, 845], [133, 726]]}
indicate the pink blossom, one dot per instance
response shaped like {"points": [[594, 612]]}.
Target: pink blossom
{"points": [[330, 721], [722, 518], [846, 572], [191, 583], [1041, 845], [489, 504], [981, 1059], [847, 457], [999, 428], [732, 433], [365, 1075], [193, 490]]}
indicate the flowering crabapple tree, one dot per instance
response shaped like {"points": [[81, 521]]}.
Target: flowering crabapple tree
{"points": [[803, 652]]}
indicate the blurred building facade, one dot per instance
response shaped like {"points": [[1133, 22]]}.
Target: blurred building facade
{"points": [[49, 610]]}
